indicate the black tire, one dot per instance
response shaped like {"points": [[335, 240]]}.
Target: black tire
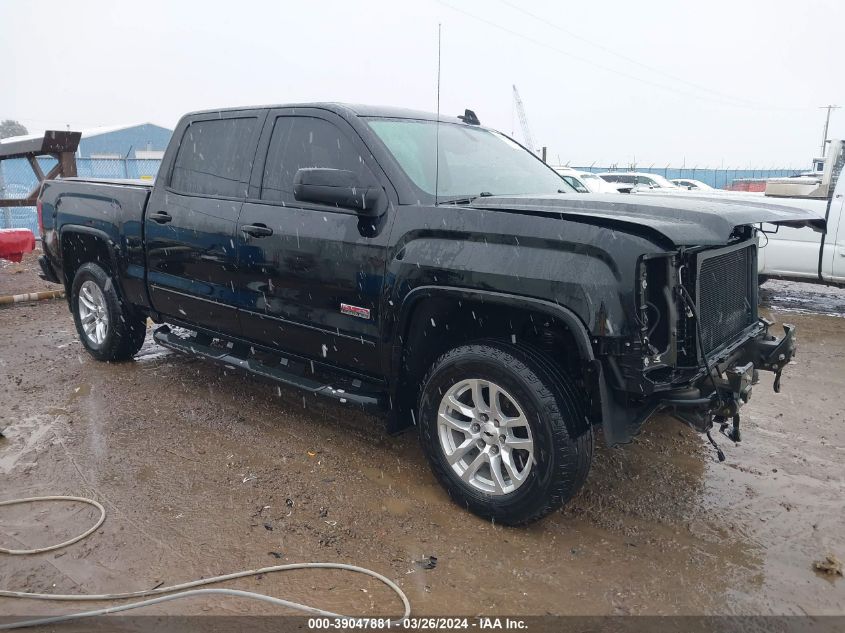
{"points": [[126, 328], [563, 442]]}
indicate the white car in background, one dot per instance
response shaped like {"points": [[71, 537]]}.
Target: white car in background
{"points": [[584, 181], [627, 181], [596, 184], [572, 178], [692, 185], [794, 254]]}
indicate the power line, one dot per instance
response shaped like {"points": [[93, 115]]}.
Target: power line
{"points": [[566, 53], [597, 65], [655, 69]]}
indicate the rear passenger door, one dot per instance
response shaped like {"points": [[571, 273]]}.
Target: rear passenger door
{"points": [[312, 283], [190, 226]]}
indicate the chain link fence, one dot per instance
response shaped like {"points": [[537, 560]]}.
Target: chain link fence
{"points": [[17, 180], [718, 178]]}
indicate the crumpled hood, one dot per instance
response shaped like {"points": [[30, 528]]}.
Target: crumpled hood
{"points": [[684, 221]]}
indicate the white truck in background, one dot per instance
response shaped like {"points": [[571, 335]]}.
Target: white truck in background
{"points": [[804, 254], [797, 254]]}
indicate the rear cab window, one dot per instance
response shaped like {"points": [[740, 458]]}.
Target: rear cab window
{"points": [[214, 157]]}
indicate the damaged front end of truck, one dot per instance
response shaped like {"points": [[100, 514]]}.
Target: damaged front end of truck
{"points": [[682, 335], [700, 342]]}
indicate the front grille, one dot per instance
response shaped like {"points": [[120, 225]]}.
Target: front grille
{"points": [[726, 294]]}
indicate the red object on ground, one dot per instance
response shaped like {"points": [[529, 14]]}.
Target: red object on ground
{"points": [[15, 243]]}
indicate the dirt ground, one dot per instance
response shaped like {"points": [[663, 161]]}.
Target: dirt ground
{"points": [[22, 277], [203, 472]]}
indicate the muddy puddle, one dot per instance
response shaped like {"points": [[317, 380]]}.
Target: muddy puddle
{"points": [[790, 296]]}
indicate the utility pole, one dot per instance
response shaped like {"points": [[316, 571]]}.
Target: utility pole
{"points": [[826, 124]]}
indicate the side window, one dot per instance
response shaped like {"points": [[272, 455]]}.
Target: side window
{"points": [[300, 141], [211, 157]]}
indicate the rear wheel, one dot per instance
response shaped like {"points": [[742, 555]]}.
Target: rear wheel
{"points": [[108, 328], [495, 425]]}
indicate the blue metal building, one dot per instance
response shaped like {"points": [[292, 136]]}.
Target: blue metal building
{"points": [[144, 140]]}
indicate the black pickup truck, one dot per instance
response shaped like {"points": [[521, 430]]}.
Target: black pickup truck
{"points": [[433, 269]]}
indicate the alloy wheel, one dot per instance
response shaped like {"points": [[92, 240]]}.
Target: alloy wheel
{"points": [[485, 436], [93, 312]]}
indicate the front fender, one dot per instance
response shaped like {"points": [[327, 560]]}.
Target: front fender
{"points": [[614, 419], [560, 312], [584, 273]]}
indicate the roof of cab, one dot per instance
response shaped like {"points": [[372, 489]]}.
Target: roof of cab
{"points": [[355, 109]]}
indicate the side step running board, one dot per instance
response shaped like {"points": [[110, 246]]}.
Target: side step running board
{"points": [[197, 346]]}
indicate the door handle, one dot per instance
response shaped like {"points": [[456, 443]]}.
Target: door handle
{"points": [[257, 230], [162, 217]]}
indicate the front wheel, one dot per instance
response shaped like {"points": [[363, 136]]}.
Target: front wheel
{"points": [[108, 327], [504, 432]]}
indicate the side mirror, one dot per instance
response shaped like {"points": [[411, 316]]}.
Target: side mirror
{"points": [[340, 188]]}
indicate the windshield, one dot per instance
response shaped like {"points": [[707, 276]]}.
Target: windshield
{"points": [[472, 160]]}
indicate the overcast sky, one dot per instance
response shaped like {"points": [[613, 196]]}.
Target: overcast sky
{"points": [[717, 83]]}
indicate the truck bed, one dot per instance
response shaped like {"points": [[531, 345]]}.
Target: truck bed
{"points": [[111, 210]]}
